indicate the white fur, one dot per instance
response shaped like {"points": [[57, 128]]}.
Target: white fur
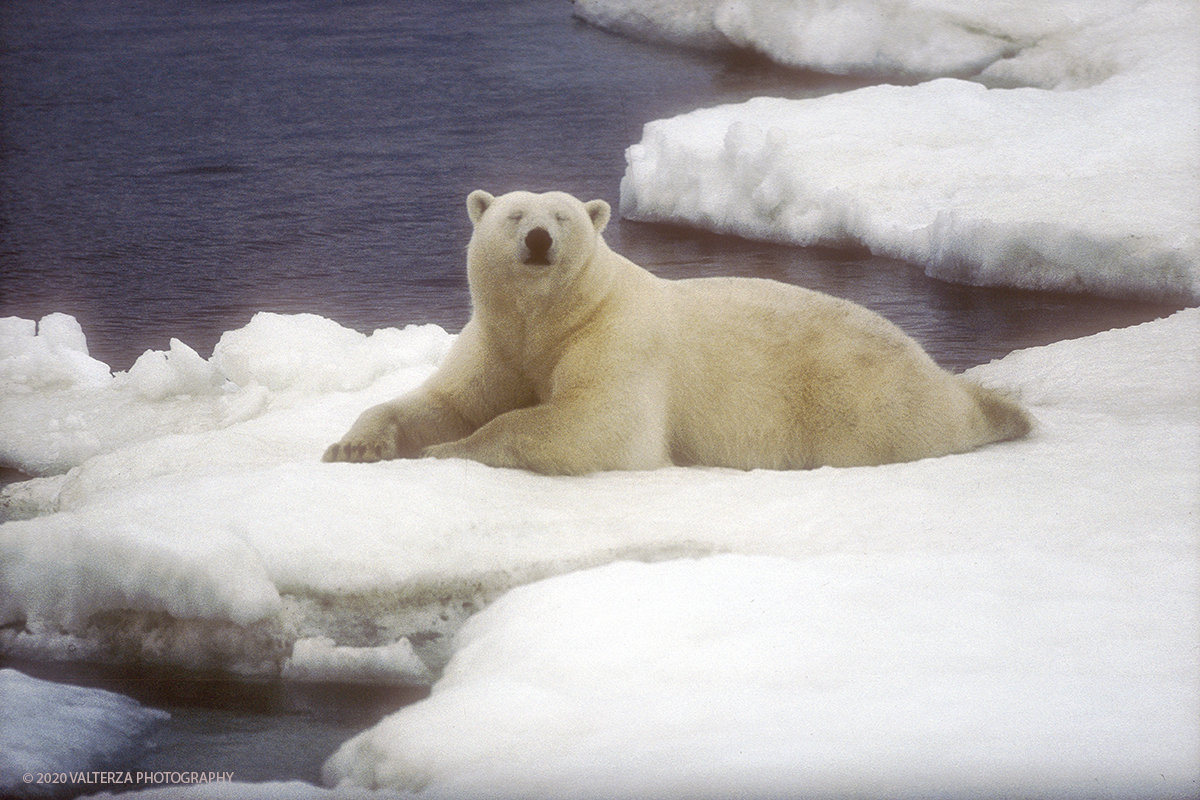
{"points": [[588, 362]]}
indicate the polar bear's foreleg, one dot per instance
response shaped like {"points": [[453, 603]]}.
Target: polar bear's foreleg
{"points": [[467, 390], [402, 428], [566, 439]]}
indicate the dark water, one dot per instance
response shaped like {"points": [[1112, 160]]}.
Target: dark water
{"points": [[169, 168], [258, 730]]}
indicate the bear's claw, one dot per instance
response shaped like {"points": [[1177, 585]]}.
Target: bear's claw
{"points": [[340, 452], [357, 452]]}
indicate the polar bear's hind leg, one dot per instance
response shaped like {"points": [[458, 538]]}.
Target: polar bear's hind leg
{"points": [[1004, 417]]}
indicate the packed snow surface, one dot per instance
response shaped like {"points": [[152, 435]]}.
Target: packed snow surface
{"points": [[1019, 618], [841, 675], [1070, 162], [52, 728]]}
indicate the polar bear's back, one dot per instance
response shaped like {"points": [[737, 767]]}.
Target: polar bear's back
{"points": [[769, 375]]}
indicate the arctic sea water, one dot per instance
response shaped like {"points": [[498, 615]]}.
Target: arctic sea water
{"points": [[168, 170]]}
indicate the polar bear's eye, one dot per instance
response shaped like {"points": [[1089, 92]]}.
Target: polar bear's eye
{"points": [[560, 217], [515, 216]]}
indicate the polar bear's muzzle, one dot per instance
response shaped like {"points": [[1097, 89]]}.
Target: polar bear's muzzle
{"points": [[538, 244]]}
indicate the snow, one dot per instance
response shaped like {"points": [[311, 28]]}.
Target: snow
{"points": [[271, 364], [1022, 617], [921, 37], [48, 727], [846, 674], [47, 354], [321, 658], [1070, 162]]}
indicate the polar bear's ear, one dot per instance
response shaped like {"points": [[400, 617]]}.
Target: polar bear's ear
{"points": [[600, 212], [477, 203]]}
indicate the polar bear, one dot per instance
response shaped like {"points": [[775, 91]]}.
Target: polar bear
{"points": [[576, 360]]}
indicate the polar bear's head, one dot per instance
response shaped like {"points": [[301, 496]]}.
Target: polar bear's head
{"points": [[535, 239]]}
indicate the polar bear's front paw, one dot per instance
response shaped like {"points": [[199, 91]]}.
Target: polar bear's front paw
{"points": [[375, 436]]}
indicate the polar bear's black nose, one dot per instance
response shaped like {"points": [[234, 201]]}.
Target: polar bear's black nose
{"points": [[538, 241]]}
